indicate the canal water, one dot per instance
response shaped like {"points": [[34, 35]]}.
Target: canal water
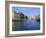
{"points": [[25, 25]]}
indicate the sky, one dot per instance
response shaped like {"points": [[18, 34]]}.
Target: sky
{"points": [[28, 11]]}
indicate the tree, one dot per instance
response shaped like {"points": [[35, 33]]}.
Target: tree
{"points": [[26, 17], [38, 18]]}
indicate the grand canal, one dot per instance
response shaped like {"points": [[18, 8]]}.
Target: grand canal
{"points": [[25, 25]]}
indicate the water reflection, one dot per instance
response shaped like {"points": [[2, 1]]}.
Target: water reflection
{"points": [[25, 25]]}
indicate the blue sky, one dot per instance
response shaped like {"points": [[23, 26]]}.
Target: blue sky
{"points": [[28, 11]]}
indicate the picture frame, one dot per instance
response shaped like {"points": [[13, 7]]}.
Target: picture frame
{"points": [[22, 33]]}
